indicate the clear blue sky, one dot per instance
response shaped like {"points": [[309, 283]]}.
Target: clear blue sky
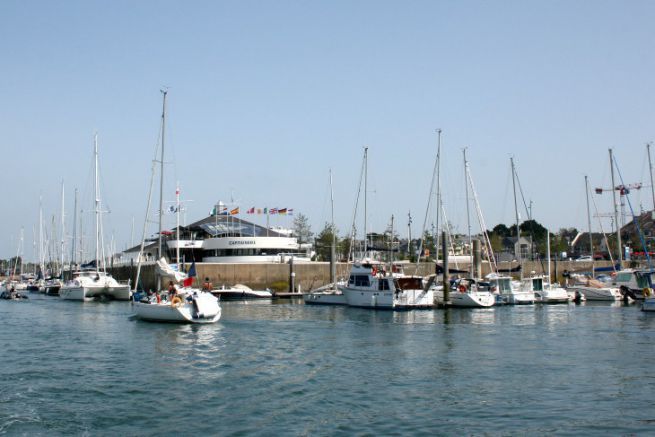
{"points": [[265, 97]]}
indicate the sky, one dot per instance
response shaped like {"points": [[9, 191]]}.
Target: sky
{"points": [[264, 98]]}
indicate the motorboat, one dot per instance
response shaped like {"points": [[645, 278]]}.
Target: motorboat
{"points": [[545, 292], [510, 295], [593, 289], [632, 282], [52, 287], [240, 292], [467, 293], [370, 286], [196, 306], [93, 284], [12, 294]]}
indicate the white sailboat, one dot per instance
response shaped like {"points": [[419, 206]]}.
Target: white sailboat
{"points": [[95, 283], [329, 294], [194, 305], [465, 291]]}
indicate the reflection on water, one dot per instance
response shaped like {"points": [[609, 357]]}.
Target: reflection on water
{"points": [[285, 368]]}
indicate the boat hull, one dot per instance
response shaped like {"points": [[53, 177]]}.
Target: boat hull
{"points": [[473, 299], [206, 309], [598, 294], [554, 296], [325, 298]]}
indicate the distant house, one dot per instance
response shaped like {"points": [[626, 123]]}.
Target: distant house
{"points": [[630, 235], [521, 248]]}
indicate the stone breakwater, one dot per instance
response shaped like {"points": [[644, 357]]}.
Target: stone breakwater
{"points": [[312, 275]]}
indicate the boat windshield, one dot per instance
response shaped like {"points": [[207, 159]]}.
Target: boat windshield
{"points": [[537, 284], [504, 285], [409, 283]]}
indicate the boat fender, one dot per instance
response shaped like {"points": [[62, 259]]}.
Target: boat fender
{"points": [[374, 271], [462, 289], [646, 291]]}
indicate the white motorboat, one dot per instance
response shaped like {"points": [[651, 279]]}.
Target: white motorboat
{"points": [[593, 289], [89, 285], [371, 287], [196, 307], [632, 282], [509, 294], [465, 294], [545, 292], [240, 292]]}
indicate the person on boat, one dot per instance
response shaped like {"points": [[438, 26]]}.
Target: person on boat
{"points": [[173, 297], [207, 286]]}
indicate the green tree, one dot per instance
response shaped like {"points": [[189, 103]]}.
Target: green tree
{"points": [[302, 229], [324, 242]]}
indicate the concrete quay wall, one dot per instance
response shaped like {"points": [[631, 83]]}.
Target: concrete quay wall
{"points": [[312, 275]]}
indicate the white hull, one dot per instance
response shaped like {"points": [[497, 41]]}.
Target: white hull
{"points": [[241, 292], [208, 311], [602, 294], [519, 298], [85, 293], [472, 299], [406, 299], [332, 297], [554, 295]]}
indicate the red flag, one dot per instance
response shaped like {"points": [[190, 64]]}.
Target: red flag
{"points": [[188, 282]]}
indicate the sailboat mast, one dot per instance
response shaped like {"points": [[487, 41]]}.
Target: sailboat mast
{"points": [[650, 170], [516, 213], [365, 200], [161, 174], [616, 212], [436, 239], [591, 240], [63, 230], [333, 248], [41, 251], [177, 223], [97, 201], [74, 231], [468, 213]]}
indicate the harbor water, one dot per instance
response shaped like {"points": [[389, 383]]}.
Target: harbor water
{"points": [[284, 368]]}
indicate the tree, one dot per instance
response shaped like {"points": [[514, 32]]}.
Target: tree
{"points": [[501, 230], [324, 242], [302, 229]]}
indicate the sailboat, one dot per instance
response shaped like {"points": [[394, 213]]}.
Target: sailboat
{"points": [[467, 292], [194, 305], [94, 281], [329, 294]]}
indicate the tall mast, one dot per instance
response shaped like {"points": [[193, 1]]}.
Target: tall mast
{"points": [[436, 240], [161, 174], [468, 214], [74, 231], [650, 170], [177, 223], [591, 240], [97, 201], [63, 230], [365, 200], [616, 212], [333, 248], [516, 213], [41, 249]]}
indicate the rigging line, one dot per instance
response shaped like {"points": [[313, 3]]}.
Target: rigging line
{"points": [[427, 211], [635, 219], [354, 225], [607, 243]]}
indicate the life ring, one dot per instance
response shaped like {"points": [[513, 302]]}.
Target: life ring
{"points": [[462, 288]]}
